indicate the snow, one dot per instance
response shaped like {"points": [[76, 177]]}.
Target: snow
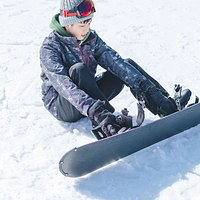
{"points": [[163, 36]]}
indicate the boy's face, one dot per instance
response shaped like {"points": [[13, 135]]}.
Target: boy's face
{"points": [[78, 30]]}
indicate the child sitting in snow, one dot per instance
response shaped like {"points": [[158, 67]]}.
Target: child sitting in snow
{"points": [[69, 58]]}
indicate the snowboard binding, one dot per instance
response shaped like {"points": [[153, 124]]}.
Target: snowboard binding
{"points": [[182, 97], [99, 134]]}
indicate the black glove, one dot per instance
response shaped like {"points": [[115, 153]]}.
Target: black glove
{"points": [[109, 123], [163, 105]]}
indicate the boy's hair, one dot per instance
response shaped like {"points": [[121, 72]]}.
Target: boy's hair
{"points": [[85, 21]]}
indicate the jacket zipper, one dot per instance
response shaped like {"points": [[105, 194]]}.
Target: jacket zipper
{"points": [[80, 51], [88, 60]]}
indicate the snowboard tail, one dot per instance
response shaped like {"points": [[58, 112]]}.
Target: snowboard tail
{"points": [[90, 157]]}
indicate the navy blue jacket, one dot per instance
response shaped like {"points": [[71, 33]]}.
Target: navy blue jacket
{"points": [[58, 53]]}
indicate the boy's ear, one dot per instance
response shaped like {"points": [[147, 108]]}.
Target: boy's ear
{"points": [[67, 27]]}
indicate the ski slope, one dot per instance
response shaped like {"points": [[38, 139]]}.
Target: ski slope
{"points": [[163, 36]]}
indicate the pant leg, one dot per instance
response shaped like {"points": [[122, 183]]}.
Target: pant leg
{"points": [[82, 77], [150, 106], [134, 64], [66, 111], [109, 84]]}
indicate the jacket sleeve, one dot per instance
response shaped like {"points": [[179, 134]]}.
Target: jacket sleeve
{"points": [[110, 60], [52, 66]]}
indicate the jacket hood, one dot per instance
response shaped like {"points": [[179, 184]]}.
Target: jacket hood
{"points": [[55, 25]]}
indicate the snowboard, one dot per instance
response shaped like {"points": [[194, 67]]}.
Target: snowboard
{"points": [[90, 157]]}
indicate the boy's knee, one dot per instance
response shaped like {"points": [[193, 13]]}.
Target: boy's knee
{"points": [[81, 75], [76, 69]]}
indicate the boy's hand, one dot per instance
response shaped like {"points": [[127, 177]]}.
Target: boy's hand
{"points": [[165, 105], [109, 123]]}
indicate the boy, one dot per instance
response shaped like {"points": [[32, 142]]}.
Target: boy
{"points": [[69, 57]]}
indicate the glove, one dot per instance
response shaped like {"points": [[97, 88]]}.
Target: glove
{"points": [[164, 105], [109, 123]]}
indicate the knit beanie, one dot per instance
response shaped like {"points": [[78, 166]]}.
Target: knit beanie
{"points": [[68, 5]]}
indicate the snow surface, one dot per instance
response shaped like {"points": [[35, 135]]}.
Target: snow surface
{"points": [[163, 36]]}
